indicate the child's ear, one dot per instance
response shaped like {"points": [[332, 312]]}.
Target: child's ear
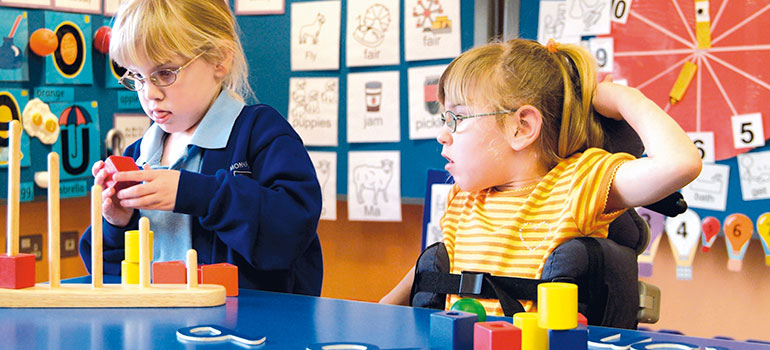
{"points": [[222, 68], [529, 120]]}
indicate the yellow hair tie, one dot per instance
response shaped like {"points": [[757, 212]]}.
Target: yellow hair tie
{"points": [[551, 45]]}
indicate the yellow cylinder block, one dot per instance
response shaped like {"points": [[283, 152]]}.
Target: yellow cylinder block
{"points": [[533, 337], [557, 305], [132, 246], [129, 272]]}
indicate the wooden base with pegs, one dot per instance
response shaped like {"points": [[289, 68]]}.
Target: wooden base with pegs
{"points": [[96, 294]]}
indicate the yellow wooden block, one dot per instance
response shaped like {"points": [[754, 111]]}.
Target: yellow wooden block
{"points": [[557, 305], [682, 82], [533, 337], [132, 246], [702, 24], [129, 272]]}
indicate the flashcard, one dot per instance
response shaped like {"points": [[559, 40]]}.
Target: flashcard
{"points": [[79, 141], [374, 186], [12, 104], [315, 35], [603, 51], [552, 22], [259, 7], [373, 28], [683, 232], [439, 195], [131, 127], [704, 141], [43, 4], [325, 164], [656, 223], [709, 190], [71, 62], [314, 110], [424, 108], [431, 29], [13, 52], [748, 130], [619, 11], [80, 6], [754, 170], [111, 6], [373, 107], [588, 17]]}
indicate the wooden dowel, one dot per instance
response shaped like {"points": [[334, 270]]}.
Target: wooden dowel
{"points": [[97, 280], [54, 232], [192, 269], [12, 219], [144, 252]]}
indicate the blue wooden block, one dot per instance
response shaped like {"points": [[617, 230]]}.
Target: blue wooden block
{"points": [[452, 330], [573, 339], [611, 338]]}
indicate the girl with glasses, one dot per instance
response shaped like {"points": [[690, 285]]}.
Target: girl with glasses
{"points": [[231, 180], [522, 141]]}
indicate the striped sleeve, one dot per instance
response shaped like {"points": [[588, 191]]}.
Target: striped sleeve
{"points": [[449, 222], [590, 188]]}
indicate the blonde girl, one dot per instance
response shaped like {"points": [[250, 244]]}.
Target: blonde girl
{"points": [[230, 180], [521, 138]]}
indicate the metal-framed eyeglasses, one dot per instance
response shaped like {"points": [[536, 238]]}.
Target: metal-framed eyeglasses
{"points": [[451, 119], [159, 78]]}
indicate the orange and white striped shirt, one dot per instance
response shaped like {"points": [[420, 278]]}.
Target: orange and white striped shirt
{"points": [[511, 233]]}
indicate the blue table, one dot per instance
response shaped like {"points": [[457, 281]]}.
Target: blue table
{"points": [[288, 322]]}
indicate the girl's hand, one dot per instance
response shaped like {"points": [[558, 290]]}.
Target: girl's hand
{"points": [[112, 211], [607, 98], [157, 190]]}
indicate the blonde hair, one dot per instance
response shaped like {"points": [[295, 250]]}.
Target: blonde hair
{"points": [[507, 75], [165, 29]]}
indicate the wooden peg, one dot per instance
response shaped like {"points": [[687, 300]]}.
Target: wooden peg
{"points": [[97, 246], [14, 152], [144, 252], [192, 269], [54, 232]]}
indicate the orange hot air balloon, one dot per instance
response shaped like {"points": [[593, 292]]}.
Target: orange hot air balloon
{"points": [[43, 42], [738, 231]]}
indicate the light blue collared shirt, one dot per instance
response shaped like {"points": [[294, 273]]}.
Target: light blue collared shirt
{"points": [[172, 232]]}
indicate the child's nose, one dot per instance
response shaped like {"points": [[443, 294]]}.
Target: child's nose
{"points": [[444, 137], [151, 92]]}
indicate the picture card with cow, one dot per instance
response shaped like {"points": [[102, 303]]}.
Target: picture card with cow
{"points": [[79, 141], [374, 107], [431, 29], [71, 62], [315, 35], [13, 52], [325, 164], [424, 108], [374, 186], [313, 110]]}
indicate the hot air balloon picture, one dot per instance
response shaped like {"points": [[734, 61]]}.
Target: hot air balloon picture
{"points": [[12, 102], [78, 142], [71, 62], [13, 58]]}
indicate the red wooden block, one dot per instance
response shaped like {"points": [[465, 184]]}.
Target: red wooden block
{"points": [[115, 164], [582, 320], [169, 272], [17, 271], [223, 274], [496, 335]]}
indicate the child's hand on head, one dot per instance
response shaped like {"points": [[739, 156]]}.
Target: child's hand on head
{"points": [[112, 211], [609, 97], [156, 191]]}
